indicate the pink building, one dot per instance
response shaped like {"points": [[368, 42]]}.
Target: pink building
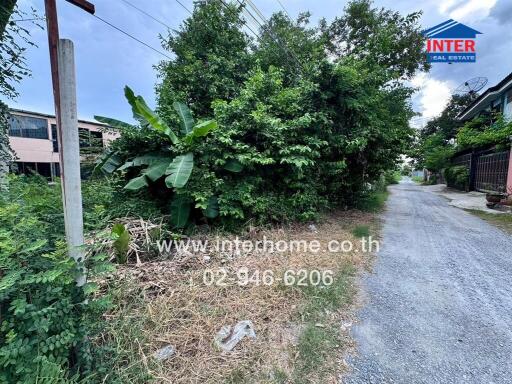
{"points": [[33, 137]]}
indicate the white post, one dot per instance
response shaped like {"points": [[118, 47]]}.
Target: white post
{"points": [[71, 188]]}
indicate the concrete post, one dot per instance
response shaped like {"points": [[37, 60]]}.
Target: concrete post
{"points": [[71, 183]]}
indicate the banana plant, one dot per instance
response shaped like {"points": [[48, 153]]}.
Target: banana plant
{"points": [[176, 170]]}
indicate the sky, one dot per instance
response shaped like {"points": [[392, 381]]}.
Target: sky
{"points": [[107, 60]]}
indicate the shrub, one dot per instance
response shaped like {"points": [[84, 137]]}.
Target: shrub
{"points": [[45, 317], [479, 132], [458, 177]]}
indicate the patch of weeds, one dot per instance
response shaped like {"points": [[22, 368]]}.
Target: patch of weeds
{"points": [[361, 231], [320, 339], [279, 376], [417, 179], [237, 376], [328, 297], [114, 356], [500, 220], [316, 347], [373, 202]]}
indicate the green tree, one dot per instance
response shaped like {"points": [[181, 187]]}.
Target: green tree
{"points": [[380, 37], [294, 46], [447, 123], [212, 60]]}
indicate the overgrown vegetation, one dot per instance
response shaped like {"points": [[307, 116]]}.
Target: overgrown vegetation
{"points": [[45, 317], [14, 41], [295, 132], [445, 136]]}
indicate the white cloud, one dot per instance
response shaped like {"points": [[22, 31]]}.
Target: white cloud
{"points": [[433, 95], [472, 10], [445, 6]]}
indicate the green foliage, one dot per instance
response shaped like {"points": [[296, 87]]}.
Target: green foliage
{"points": [[436, 153], [121, 242], [44, 315], [477, 133], [177, 170], [393, 177], [361, 231], [294, 132], [211, 61], [6, 153], [380, 37], [14, 41], [457, 176], [447, 124]]}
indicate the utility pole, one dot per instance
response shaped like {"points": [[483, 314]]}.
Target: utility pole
{"points": [[64, 93]]}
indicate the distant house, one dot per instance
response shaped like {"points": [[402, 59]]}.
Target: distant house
{"points": [[495, 99], [33, 137]]}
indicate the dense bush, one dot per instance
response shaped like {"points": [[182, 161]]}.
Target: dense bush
{"points": [[481, 133], [457, 176], [296, 132], [45, 318]]}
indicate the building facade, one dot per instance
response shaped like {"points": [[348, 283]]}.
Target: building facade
{"points": [[33, 138], [495, 99]]}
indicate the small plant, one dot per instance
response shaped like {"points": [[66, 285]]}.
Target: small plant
{"points": [[121, 242], [361, 231]]}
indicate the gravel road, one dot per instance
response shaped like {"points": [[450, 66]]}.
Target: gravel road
{"points": [[438, 303]]}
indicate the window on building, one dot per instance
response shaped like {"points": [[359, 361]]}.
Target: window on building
{"points": [[29, 127], [90, 138]]}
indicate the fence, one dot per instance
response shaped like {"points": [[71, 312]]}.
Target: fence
{"points": [[491, 172], [487, 171]]}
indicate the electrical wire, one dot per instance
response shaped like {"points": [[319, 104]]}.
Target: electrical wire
{"points": [[132, 37], [284, 9], [147, 14], [272, 35], [183, 6], [243, 21]]}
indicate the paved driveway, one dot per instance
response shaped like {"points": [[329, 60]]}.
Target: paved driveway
{"points": [[439, 300]]}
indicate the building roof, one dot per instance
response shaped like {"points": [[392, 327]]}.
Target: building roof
{"points": [[482, 100], [40, 114], [451, 29]]}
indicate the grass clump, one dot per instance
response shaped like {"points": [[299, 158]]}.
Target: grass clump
{"points": [[373, 202], [320, 339], [316, 347], [361, 231]]}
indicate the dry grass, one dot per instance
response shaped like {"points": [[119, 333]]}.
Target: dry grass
{"points": [[299, 338]]}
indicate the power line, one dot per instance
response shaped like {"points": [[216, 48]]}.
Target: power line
{"points": [[183, 6], [147, 14], [243, 21], [132, 37], [284, 9], [275, 38]]}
